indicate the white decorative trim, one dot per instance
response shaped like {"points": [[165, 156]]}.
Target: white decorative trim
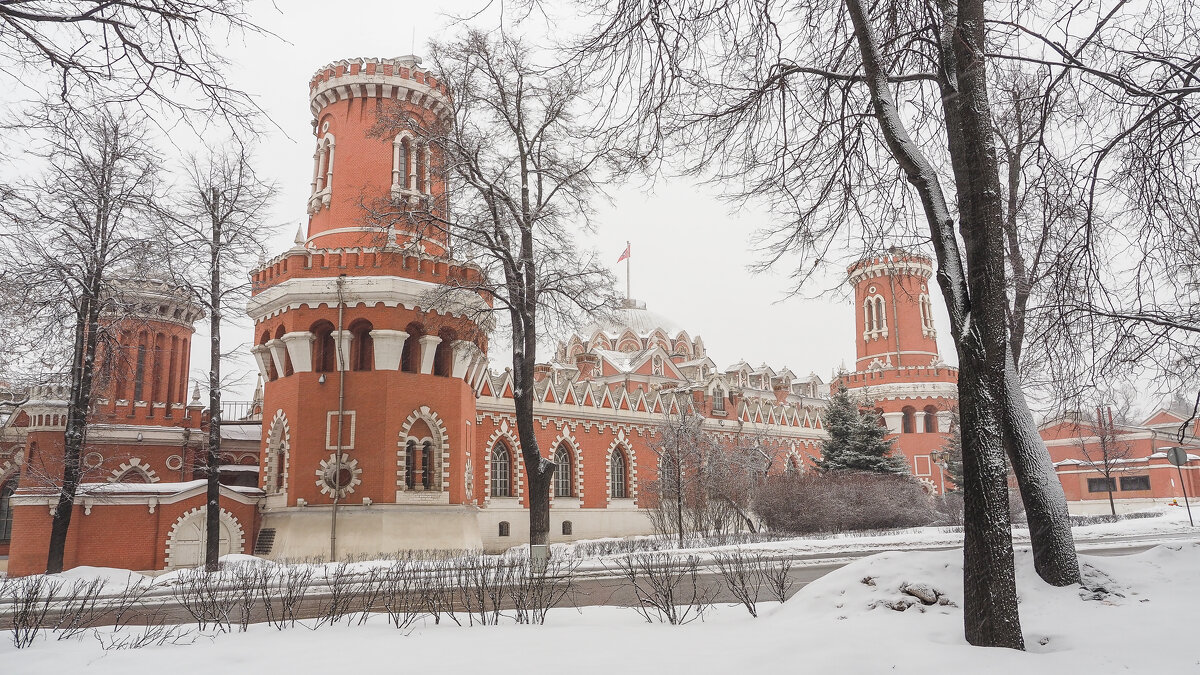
{"points": [[576, 461], [175, 462], [631, 467], [331, 425], [235, 528], [271, 467], [133, 465], [350, 465], [504, 433], [369, 291], [93, 460], [441, 447]]}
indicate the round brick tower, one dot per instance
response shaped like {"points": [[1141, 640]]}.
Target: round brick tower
{"points": [[898, 368], [142, 377], [358, 329], [366, 115]]}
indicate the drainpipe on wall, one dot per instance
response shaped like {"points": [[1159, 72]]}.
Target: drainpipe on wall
{"points": [[337, 464]]}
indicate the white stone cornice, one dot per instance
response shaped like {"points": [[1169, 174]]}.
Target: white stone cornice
{"points": [[429, 345], [390, 291]]}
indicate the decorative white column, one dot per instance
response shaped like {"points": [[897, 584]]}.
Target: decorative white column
{"points": [[389, 348], [464, 353], [299, 346], [278, 356], [342, 338], [261, 354], [429, 345], [894, 420], [944, 417]]}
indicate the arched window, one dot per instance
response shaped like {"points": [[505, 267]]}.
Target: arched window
{"points": [[619, 473], [930, 419], [427, 465], [402, 162], [567, 529], [504, 528], [564, 473], [323, 163], [869, 316], [501, 471], [324, 349], [362, 347], [656, 366], [410, 464], [908, 421], [410, 358], [6, 509]]}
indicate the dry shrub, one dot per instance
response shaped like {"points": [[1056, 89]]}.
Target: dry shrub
{"points": [[841, 502]]}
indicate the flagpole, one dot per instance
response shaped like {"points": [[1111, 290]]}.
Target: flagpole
{"points": [[628, 295]]}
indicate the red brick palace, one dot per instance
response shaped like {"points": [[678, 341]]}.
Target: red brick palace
{"points": [[388, 414]]}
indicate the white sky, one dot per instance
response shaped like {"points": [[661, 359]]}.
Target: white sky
{"points": [[690, 253]]}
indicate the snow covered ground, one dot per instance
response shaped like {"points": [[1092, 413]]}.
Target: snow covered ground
{"points": [[845, 622]]}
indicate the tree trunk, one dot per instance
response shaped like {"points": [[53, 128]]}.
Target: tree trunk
{"points": [[1111, 504], [538, 470], [990, 611], [990, 602], [1045, 502], [212, 520], [87, 337]]}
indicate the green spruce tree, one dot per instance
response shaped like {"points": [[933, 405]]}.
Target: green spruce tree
{"points": [[952, 463], [857, 440]]}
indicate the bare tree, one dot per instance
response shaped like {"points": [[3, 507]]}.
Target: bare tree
{"points": [[66, 236], [1107, 454], [155, 51], [682, 447], [522, 173], [221, 212]]}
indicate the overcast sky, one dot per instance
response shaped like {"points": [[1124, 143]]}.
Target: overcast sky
{"points": [[690, 252]]}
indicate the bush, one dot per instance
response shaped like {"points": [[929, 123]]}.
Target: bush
{"points": [[840, 502]]}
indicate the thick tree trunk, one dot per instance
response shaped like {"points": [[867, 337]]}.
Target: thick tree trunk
{"points": [[87, 337], [1050, 535], [212, 520], [990, 602]]}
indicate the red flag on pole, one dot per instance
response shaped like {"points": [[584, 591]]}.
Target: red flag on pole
{"points": [[625, 254]]}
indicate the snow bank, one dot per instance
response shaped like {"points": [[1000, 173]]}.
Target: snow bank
{"points": [[870, 616]]}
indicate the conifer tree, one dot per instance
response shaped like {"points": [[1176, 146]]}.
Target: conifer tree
{"points": [[856, 439], [952, 463]]}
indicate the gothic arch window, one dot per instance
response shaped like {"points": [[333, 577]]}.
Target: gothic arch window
{"points": [[504, 529], [7, 488], [133, 475], [362, 346], [278, 440], [880, 317], [619, 474], [908, 420], [402, 161], [410, 464], [324, 349], [323, 163], [501, 473], [564, 472], [869, 315], [930, 419]]}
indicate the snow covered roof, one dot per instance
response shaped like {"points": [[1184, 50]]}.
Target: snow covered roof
{"points": [[242, 432], [633, 316]]}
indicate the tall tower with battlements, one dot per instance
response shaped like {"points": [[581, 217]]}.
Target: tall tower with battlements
{"points": [[898, 369], [369, 401]]}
